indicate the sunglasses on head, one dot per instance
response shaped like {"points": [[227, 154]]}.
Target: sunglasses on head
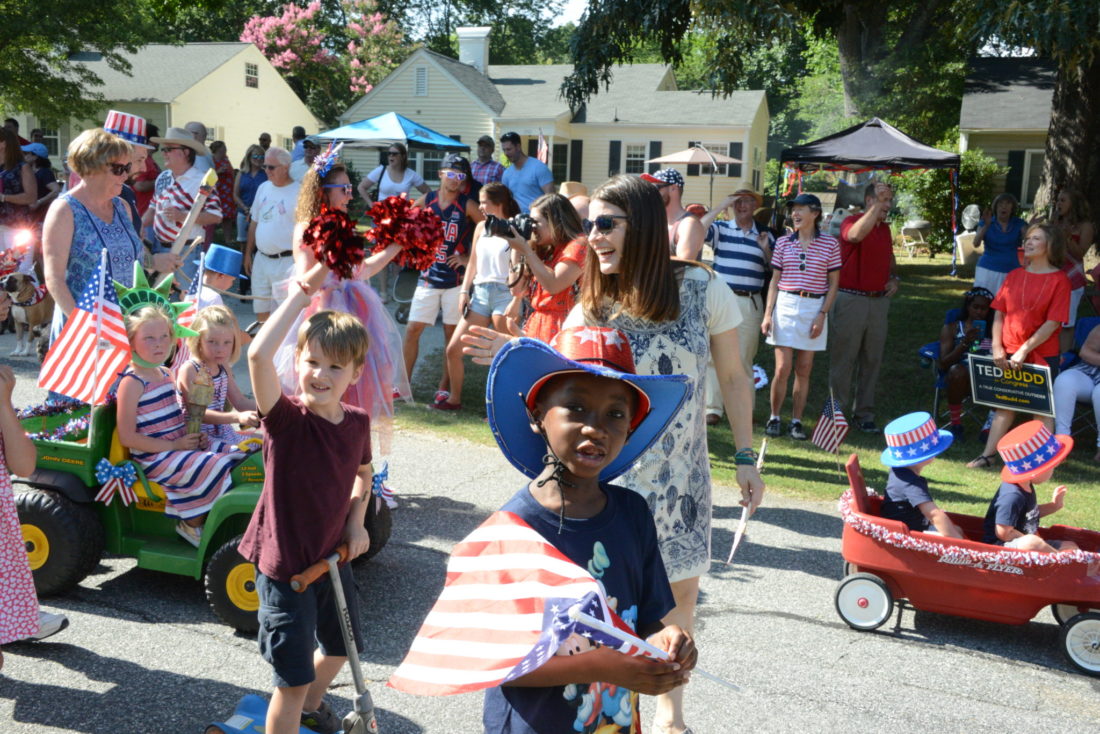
{"points": [[602, 224], [120, 169], [455, 175], [346, 187]]}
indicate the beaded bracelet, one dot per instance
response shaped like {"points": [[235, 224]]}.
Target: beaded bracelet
{"points": [[745, 457]]}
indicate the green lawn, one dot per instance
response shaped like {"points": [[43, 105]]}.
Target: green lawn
{"points": [[799, 469]]}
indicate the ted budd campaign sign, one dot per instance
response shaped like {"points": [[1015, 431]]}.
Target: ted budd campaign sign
{"points": [[1026, 389]]}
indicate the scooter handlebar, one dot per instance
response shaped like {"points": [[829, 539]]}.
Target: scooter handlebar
{"points": [[301, 581]]}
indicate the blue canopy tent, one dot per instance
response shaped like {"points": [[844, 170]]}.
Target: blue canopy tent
{"points": [[388, 129]]}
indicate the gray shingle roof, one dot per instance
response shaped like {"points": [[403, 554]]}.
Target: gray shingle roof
{"points": [[1008, 94], [161, 73], [472, 79]]}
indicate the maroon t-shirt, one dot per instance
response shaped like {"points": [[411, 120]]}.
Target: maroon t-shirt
{"points": [[310, 466], [865, 264]]}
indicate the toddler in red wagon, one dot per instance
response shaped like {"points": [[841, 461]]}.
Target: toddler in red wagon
{"points": [[1030, 453]]}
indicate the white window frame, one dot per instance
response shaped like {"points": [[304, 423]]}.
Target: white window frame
{"points": [[1027, 198], [420, 82], [426, 158], [251, 75], [51, 138], [718, 149], [638, 159]]}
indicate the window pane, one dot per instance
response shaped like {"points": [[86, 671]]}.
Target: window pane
{"points": [[635, 158], [1035, 160], [429, 166], [717, 149], [559, 163]]}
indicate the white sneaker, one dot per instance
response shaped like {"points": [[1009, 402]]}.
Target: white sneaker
{"points": [[49, 625]]}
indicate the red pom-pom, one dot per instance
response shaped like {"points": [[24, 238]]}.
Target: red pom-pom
{"points": [[332, 237], [418, 230]]}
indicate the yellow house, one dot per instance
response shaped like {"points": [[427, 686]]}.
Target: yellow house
{"points": [[230, 87], [1006, 113], [641, 116]]}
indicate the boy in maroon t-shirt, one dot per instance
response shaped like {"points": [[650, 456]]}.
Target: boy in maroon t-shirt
{"points": [[316, 486]]}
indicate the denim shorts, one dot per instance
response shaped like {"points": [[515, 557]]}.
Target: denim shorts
{"points": [[292, 624], [490, 298]]}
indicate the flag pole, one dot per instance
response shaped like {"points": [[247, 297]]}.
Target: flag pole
{"points": [[598, 624], [836, 432], [98, 323]]}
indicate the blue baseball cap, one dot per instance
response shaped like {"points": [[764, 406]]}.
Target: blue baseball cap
{"points": [[37, 148]]}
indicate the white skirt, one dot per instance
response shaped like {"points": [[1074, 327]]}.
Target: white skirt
{"points": [[791, 321]]}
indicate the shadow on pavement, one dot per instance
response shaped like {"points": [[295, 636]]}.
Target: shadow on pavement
{"points": [[421, 516], [814, 561]]}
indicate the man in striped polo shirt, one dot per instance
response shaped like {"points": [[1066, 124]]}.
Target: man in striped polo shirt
{"points": [[176, 188], [742, 252]]}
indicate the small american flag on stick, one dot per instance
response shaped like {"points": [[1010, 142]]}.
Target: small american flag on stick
{"points": [[831, 428]]}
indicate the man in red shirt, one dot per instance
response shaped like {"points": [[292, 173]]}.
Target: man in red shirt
{"points": [[857, 326]]}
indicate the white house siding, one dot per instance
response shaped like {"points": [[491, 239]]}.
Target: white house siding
{"points": [[1000, 145]]}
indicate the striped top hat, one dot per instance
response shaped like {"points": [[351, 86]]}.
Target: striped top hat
{"points": [[914, 438], [524, 366], [130, 128], [1031, 449]]}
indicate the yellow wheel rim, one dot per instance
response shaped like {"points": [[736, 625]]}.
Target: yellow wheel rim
{"points": [[38, 546], [240, 586]]}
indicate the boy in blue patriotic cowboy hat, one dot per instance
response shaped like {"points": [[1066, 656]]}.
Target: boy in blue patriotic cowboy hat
{"points": [[1030, 453], [912, 443], [572, 418]]}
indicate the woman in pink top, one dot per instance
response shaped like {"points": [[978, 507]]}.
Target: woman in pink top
{"points": [[805, 276]]}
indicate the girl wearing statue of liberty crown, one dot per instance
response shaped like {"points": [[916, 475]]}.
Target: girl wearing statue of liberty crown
{"points": [[194, 471]]}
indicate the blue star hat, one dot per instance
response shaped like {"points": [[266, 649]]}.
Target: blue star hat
{"points": [[914, 438], [525, 365], [1029, 450]]}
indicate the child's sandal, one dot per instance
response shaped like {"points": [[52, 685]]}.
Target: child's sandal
{"points": [[985, 461]]}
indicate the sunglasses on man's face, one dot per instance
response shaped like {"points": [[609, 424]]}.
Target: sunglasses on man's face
{"points": [[345, 187], [169, 149], [395, 152], [120, 169], [455, 175], [602, 224], [269, 167]]}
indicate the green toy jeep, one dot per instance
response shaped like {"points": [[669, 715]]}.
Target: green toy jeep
{"points": [[69, 516]]}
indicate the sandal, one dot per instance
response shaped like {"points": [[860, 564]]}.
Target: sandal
{"points": [[985, 461]]}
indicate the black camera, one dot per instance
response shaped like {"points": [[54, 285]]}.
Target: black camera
{"points": [[499, 227]]}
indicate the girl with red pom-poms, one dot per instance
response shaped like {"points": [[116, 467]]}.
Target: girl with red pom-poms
{"points": [[324, 230]]}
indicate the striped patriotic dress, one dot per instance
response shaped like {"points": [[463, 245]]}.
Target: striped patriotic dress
{"points": [[192, 480]]}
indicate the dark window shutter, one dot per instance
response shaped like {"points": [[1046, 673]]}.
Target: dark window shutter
{"points": [[615, 158], [384, 156], [654, 152], [533, 147], [692, 169], [1014, 179], [735, 151], [576, 149]]}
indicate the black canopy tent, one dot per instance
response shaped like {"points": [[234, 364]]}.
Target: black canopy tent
{"points": [[872, 146]]}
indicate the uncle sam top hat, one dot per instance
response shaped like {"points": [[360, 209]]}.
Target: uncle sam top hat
{"points": [[1030, 449], [914, 438], [224, 260], [525, 365], [130, 128]]}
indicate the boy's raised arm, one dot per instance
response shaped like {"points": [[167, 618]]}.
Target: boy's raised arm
{"points": [[261, 353]]}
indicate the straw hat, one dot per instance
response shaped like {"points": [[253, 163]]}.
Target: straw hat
{"points": [[179, 136]]}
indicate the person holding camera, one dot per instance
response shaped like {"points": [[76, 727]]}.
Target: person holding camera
{"points": [[438, 289], [552, 253]]}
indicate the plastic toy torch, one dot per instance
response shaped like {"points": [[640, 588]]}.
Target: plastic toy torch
{"points": [[205, 188], [199, 398]]}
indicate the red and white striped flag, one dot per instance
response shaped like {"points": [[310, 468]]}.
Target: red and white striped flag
{"points": [[831, 428], [503, 611], [544, 149], [92, 348]]}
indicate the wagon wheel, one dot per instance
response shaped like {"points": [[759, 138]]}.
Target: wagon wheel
{"points": [[1081, 642], [848, 569], [1065, 612], [864, 601]]}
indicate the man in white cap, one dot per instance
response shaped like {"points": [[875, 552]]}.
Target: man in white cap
{"points": [[742, 252], [176, 189], [685, 233], [204, 162]]}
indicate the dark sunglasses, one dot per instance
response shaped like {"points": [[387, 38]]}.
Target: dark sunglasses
{"points": [[119, 169], [257, 157], [603, 223], [395, 152], [268, 167], [455, 175], [346, 187], [170, 148], [802, 261]]}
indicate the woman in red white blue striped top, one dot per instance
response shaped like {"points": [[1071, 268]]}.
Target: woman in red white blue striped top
{"points": [[806, 272]]}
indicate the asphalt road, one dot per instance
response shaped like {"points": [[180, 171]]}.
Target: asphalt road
{"points": [[144, 653]]}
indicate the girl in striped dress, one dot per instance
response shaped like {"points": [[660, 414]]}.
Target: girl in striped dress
{"points": [[192, 469], [805, 276]]}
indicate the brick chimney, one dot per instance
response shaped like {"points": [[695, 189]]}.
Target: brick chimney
{"points": [[473, 47]]}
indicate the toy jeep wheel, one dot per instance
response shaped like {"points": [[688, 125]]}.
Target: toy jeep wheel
{"points": [[864, 601], [379, 523], [231, 588], [1081, 642], [64, 539]]}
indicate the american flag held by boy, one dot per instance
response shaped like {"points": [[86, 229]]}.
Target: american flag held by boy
{"points": [[93, 347], [831, 428], [504, 610]]}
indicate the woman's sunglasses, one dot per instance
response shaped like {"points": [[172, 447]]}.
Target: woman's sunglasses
{"points": [[603, 223], [346, 187], [257, 157], [455, 175], [120, 169]]}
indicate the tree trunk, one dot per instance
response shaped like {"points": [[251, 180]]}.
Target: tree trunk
{"points": [[1073, 138], [860, 34]]}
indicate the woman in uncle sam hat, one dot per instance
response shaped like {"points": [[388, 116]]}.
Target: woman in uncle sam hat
{"points": [[912, 442]]}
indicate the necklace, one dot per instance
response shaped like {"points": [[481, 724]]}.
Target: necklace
{"points": [[1027, 288]]}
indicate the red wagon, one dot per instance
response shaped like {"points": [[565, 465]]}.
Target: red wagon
{"points": [[886, 561]]}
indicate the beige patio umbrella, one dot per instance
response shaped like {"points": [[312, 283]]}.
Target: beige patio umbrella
{"points": [[697, 157]]}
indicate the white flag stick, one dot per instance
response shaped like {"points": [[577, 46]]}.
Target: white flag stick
{"points": [[98, 315], [627, 638], [740, 532]]}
